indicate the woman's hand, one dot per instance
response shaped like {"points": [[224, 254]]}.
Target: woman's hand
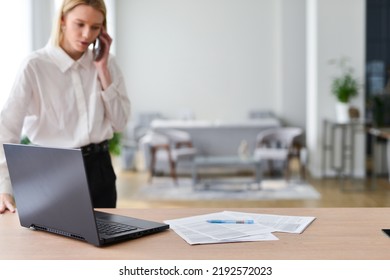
{"points": [[7, 202]]}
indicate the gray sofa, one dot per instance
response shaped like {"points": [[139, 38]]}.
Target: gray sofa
{"points": [[208, 138]]}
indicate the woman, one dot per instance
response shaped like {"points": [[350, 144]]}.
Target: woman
{"points": [[62, 97]]}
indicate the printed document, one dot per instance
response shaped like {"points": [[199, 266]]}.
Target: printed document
{"points": [[202, 230]]}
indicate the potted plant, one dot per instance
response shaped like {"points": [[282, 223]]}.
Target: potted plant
{"points": [[344, 87]]}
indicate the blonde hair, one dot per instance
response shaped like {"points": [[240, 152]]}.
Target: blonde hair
{"points": [[66, 7]]}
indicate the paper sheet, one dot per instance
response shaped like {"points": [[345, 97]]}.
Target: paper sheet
{"points": [[196, 229]]}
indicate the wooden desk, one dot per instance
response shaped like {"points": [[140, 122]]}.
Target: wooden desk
{"points": [[337, 233], [381, 132]]}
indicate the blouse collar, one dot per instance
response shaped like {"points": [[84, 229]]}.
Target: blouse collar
{"points": [[64, 61]]}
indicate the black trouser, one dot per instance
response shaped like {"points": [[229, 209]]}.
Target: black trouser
{"points": [[101, 179]]}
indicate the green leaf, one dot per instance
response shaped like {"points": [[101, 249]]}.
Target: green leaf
{"points": [[345, 86], [114, 144]]}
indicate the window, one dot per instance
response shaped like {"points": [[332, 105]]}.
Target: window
{"points": [[15, 42], [378, 62]]}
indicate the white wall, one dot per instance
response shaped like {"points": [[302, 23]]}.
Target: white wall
{"points": [[217, 58], [336, 29], [41, 22], [291, 75]]}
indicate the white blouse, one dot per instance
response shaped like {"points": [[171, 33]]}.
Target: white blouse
{"points": [[59, 102]]}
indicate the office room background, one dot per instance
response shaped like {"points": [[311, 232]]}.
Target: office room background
{"points": [[219, 59]]}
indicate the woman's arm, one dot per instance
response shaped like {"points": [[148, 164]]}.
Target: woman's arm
{"points": [[102, 64], [11, 124]]}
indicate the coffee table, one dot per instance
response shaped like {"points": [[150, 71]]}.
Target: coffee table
{"points": [[225, 162]]}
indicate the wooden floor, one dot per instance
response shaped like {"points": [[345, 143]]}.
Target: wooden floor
{"points": [[334, 193]]}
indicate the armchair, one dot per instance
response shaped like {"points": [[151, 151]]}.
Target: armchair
{"points": [[277, 144], [174, 145]]}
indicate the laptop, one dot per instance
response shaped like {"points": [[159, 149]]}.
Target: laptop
{"points": [[51, 193]]}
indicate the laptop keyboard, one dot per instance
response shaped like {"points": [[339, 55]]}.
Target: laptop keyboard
{"points": [[111, 228]]}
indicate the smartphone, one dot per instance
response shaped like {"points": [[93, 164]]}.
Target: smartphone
{"points": [[386, 231], [98, 49]]}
